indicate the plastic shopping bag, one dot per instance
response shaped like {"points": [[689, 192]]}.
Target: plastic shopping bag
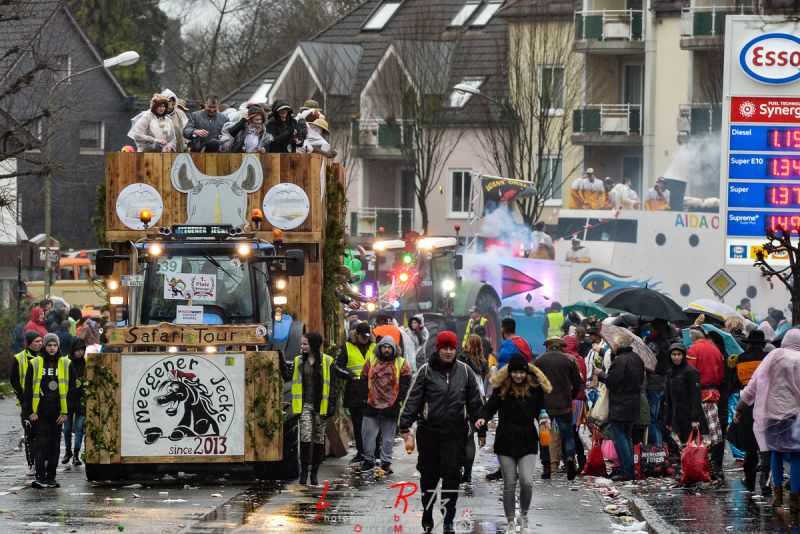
{"points": [[595, 465], [599, 413], [694, 461], [610, 452]]}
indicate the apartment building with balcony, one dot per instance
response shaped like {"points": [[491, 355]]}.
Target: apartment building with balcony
{"points": [[362, 70]]}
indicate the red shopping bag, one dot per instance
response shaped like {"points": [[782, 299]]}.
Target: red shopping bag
{"points": [[595, 465], [694, 461]]}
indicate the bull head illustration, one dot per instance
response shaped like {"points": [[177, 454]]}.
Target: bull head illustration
{"points": [[216, 199]]}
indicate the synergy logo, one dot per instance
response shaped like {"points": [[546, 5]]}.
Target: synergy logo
{"points": [[738, 252], [772, 58], [747, 109]]}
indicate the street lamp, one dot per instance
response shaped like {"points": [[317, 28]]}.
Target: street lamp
{"points": [[464, 88], [122, 60]]}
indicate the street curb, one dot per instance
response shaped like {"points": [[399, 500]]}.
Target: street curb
{"points": [[644, 512]]}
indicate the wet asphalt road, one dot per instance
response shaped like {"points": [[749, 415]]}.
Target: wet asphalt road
{"points": [[188, 504]]}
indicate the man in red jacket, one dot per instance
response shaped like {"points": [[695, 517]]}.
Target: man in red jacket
{"points": [[708, 360]]}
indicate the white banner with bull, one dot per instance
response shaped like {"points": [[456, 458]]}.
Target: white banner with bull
{"points": [[183, 405]]}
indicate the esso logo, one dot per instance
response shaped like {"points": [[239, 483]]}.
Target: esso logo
{"points": [[772, 58], [738, 250]]}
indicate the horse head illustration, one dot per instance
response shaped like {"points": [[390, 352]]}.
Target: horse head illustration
{"points": [[185, 389], [217, 199]]}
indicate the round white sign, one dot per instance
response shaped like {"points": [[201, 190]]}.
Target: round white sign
{"points": [[135, 198], [286, 206]]}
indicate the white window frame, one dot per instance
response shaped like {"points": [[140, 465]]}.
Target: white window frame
{"points": [[459, 99], [467, 178], [464, 14], [486, 14], [554, 202], [93, 150], [556, 112], [381, 16]]}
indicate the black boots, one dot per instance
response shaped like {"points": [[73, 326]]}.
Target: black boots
{"points": [[466, 476], [67, 456], [305, 460], [76, 461], [319, 456], [764, 459], [717, 455]]}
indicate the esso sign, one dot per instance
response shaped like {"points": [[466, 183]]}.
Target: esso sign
{"points": [[772, 58]]}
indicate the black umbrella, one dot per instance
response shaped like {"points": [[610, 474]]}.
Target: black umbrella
{"points": [[644, 301]]}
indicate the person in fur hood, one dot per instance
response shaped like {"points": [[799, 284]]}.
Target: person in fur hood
{"points": [[517, 398], [155, 131]]}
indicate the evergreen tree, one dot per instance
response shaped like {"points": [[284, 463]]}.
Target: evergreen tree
{"points": [[115, 26]]}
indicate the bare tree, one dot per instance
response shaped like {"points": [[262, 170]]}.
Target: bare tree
{"points": [[31, 96], [528, 130], [412, 97], [779, 243]]}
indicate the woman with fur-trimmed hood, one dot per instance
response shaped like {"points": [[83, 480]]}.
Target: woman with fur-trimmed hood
{"points": [[155, 131], [517, 398]]}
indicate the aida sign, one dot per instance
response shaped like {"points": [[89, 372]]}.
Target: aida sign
{"points": [[772, 58]]}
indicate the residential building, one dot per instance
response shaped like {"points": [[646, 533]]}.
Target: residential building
{"points": [[362, 69], [90, 115]]}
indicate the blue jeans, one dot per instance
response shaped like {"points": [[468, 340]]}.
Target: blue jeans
{"points": [[565, 432], [622, 436], [794, 469], [74, 423], [654, 397]]}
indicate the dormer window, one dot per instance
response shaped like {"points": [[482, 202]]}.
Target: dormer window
{"points": [[381, 16], [486, 13], [466, 12]]}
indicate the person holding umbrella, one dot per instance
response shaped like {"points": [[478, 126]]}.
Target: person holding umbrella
{"points": [[624, 383]]}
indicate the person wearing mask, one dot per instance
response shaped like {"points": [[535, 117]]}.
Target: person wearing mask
{"points": [[624, 382], [204, 128], [475, 320], [418, 335], [45, 406], [19, 370], [36, 322], [517, 398], [155, 131], [683, 411], [444, 400], [744, 366], [249, 133], [386, 377], [475, 360], [358, 348], [75, 410], [311, 373], [707, 358], [774, 393], [288, 133], [564, 375]]}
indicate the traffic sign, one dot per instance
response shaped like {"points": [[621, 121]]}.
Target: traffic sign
{"points": [[721, 283]]}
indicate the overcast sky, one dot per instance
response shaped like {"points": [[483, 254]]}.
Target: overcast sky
{"points": [[177, 9]]}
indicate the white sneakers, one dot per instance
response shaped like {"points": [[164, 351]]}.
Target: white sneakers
{"points": [[522, 522], [31, 472]]}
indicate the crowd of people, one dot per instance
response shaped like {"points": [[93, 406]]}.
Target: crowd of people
{"points": [[441, 403], [168, 126], [47, 376], [590, 193]]}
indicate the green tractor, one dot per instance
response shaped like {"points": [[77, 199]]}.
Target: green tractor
{"points": [[421, 275]]}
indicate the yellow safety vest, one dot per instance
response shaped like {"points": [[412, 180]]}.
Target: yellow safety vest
{"points": [[468, 331], [556, 321], [297, 385], [355, 360], [63, 381], [746, 314], [22, 364]]}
